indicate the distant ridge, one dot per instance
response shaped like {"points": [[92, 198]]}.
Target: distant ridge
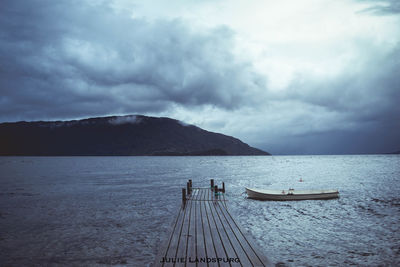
{"points": [[134, 135]]}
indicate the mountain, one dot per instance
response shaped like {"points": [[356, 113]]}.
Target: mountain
{"points": [[116, 135]]}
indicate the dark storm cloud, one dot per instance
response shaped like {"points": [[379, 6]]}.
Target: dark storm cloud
{"points": [[371, 92], [383, 7], [70, 59], [64, 59], [364, 105]]}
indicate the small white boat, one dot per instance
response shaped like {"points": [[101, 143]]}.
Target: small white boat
{"points": [[291, 194]]}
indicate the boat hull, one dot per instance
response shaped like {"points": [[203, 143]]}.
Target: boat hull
{"points": [[291, 195]]}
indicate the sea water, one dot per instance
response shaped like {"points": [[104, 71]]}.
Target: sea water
{"points": [[102, 211]]}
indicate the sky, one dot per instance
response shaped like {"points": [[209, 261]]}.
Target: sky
{"points": [[289, 77]]}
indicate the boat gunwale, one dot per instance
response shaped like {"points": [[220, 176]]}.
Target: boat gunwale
{"points": [[294, 192], [289, 197]]}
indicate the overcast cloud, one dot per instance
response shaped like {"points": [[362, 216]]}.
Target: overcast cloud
{"points": [[289, 77]]}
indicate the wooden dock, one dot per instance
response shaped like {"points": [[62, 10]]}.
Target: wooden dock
{"points": [[205, 234]]}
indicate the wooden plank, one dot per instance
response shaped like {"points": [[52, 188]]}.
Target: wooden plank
{"points": [[211, 253], [191, 238], [163, 252], [255, 257], [201, 188], [239, 239], [181, 256], [176, 239], [223, 197], [200, 241], [238, 248], [234, 250], [219, 249], [230, 253], [214, 200], [250, 241]]}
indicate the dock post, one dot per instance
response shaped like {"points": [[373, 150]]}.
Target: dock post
{"points": [[183, 196], [188, 188], [216, 191], [223, 187], [190, 184], [212, 184]]}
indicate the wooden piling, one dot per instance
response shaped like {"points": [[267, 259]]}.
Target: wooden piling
{"points": [[212, 184], [223, 187], [188, 188], [183, 196]]}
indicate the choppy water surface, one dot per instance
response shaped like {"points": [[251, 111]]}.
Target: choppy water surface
{"points": [[85, 211]]}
